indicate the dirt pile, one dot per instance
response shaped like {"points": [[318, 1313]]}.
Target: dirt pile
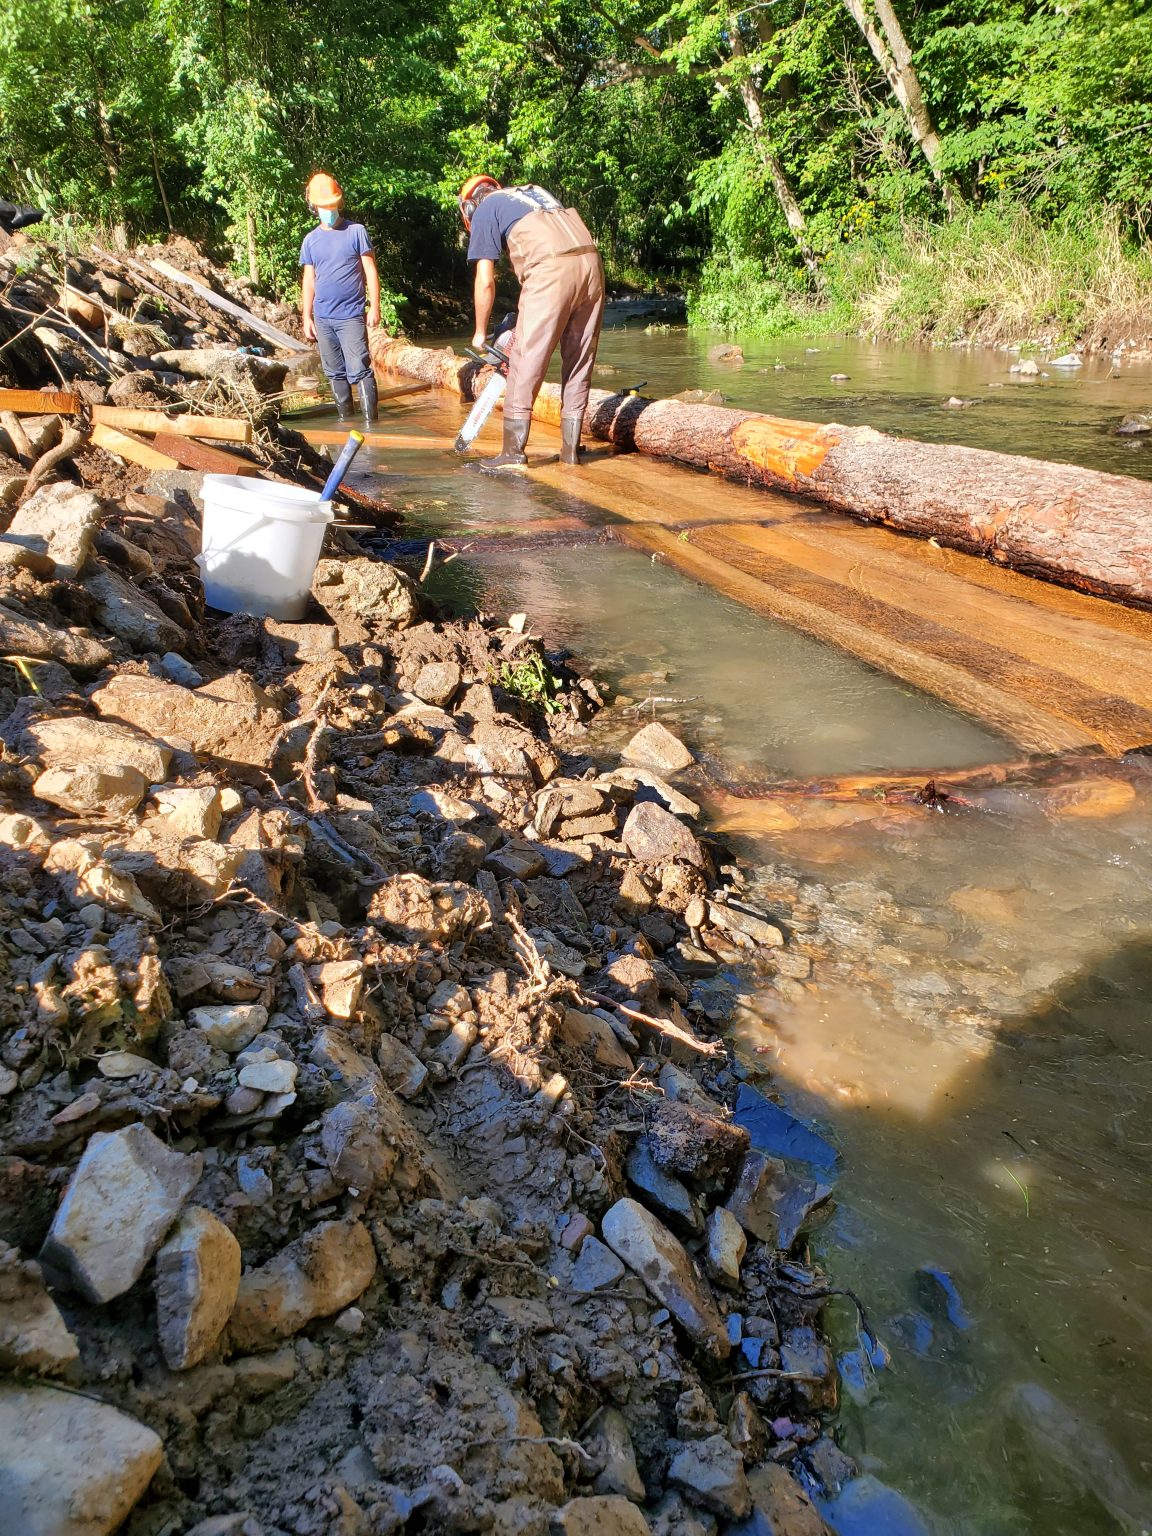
{"points": [[364, 1153]]}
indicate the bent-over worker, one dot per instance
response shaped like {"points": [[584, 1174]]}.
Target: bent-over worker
{"points": [[339, 273], [561, 301]]}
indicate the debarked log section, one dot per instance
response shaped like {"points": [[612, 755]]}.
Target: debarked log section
{"points": [[1074, 526]]}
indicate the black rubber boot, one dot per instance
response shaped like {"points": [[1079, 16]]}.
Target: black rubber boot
{"points": [[570, 427], [368, 400], [15, 216], [511, 455], [342, 394]]}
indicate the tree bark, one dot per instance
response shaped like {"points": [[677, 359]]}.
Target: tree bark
{"points": [[883, 33], [753, 100], [1076, 527]]}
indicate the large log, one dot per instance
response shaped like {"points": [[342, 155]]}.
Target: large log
{"points": [[1077, 527]]}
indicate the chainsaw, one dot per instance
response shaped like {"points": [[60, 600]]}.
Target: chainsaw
{"points": [[497, 358]]}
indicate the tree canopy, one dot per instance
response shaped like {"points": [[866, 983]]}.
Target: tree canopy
{"points": [[738, 147]]}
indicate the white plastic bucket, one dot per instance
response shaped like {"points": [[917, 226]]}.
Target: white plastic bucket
{"points": [[260, 545]]}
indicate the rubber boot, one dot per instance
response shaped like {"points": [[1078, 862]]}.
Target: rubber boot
{"points": [[570, 427], [342, 394], [511, 455], [368, 400]]}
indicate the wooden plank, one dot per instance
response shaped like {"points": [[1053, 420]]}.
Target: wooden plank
{"points": [[271, 333], [1117, 723], [134, 449], [320, 436], [1020, 620], [193, 455], [39, 402], [1034, 729], [223, 429]]}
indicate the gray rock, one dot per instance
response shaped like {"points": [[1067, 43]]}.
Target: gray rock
{"points": [[59, 521], [319, 1274], [1134, 424], [354, 1145], [437, 682], [400, 1067], [592, 1033], [643, 784], [611, 1443], [774, 1203], [660, 1190], [126, 612], [741, 920], [653, 835], [601, 1516], [781, 1507], [90, 790], [369, 593], [75, 741], [177, 670], [726, 1246], [197, 1281], [230, 1028], [802, 1350], [70, 1466], [275, 1076], [596, 1268], [231, 717], [33, 1335], [711, 1473], [126, 1192], [651, 1251], [656, 747]]}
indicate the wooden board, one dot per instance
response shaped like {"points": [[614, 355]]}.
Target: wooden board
{"points": [[39, 402], [320, 436], [193, 455], [272, 333], [134, 449], [222, 429]]}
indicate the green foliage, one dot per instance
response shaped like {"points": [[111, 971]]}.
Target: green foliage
{"points": [[681, 130], [531, 681]]}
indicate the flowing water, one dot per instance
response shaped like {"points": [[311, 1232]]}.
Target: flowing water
{"points": [[977, 1034]]}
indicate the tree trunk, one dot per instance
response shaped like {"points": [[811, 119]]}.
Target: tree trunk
{"points": [[753, 101], [1073, 526], [253, 254], [883, 33]]}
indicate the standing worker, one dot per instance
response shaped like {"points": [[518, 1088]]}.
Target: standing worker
{"points": [[339, 272], [561, 300]]}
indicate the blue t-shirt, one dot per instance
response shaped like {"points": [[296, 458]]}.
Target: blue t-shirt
{"points": [[497, 214], [335, 254]]}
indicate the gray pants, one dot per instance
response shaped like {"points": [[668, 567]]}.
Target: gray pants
{"points": [[344, 348]]}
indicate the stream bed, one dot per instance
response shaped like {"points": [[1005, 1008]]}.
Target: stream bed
{"points": [[975, 1031]]}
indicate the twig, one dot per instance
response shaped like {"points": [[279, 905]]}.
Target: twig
{"points": [[428, 559], [661, 1026], [769, 1371], [18, 437], [557, 1440]]}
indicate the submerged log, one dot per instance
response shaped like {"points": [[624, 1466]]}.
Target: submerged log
{"points": [[1077, 527]]}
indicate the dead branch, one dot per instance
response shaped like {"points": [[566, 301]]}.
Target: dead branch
{"points": [[18, 437], [663, 1027], [74, 438]]}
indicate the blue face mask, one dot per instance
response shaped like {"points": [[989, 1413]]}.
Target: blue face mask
{"points": [[328, 216]]}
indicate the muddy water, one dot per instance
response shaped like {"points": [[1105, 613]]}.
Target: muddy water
{"points": [[976, 1037]]}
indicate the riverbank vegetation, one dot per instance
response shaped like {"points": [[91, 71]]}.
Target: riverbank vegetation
{"points": [[979, 168]]}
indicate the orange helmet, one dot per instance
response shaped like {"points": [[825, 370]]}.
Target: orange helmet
{"points": [[324, 191], [469, 190]]}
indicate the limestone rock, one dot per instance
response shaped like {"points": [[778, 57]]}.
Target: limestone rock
{"points": [[601, 1516], [591, 1032], [318, 1275], [711, 1473], [75, 741], [272, 1075], [661, 1191], [726, 1246], [733, 919], [197, 1281], [126, 1192], [612, 1444], [782, 1507], [33, 1335], [230, 1028], [231, 718], [126, 612], [656, 747], [596, 1268], [370, 593], [192, 812], [90, 790], [401, 1068], [653, 835], [419, 910], [772, 1202], [651, 1251], [59, 521], [20, 636], [437, 682], [355, 1147], [303, 642], [87, 878], [70, 1466]]}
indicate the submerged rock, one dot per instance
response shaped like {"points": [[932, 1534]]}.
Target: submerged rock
{"points": [[778, 1133], [868, 1507]]}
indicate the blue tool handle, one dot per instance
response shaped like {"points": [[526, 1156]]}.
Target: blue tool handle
{"points": [[349, 451]]}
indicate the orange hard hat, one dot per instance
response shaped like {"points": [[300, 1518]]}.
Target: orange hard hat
{"points": [[469, 189], [324, 191]]}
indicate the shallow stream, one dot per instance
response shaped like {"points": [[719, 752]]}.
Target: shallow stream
{"points": [[976, 1037]]}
